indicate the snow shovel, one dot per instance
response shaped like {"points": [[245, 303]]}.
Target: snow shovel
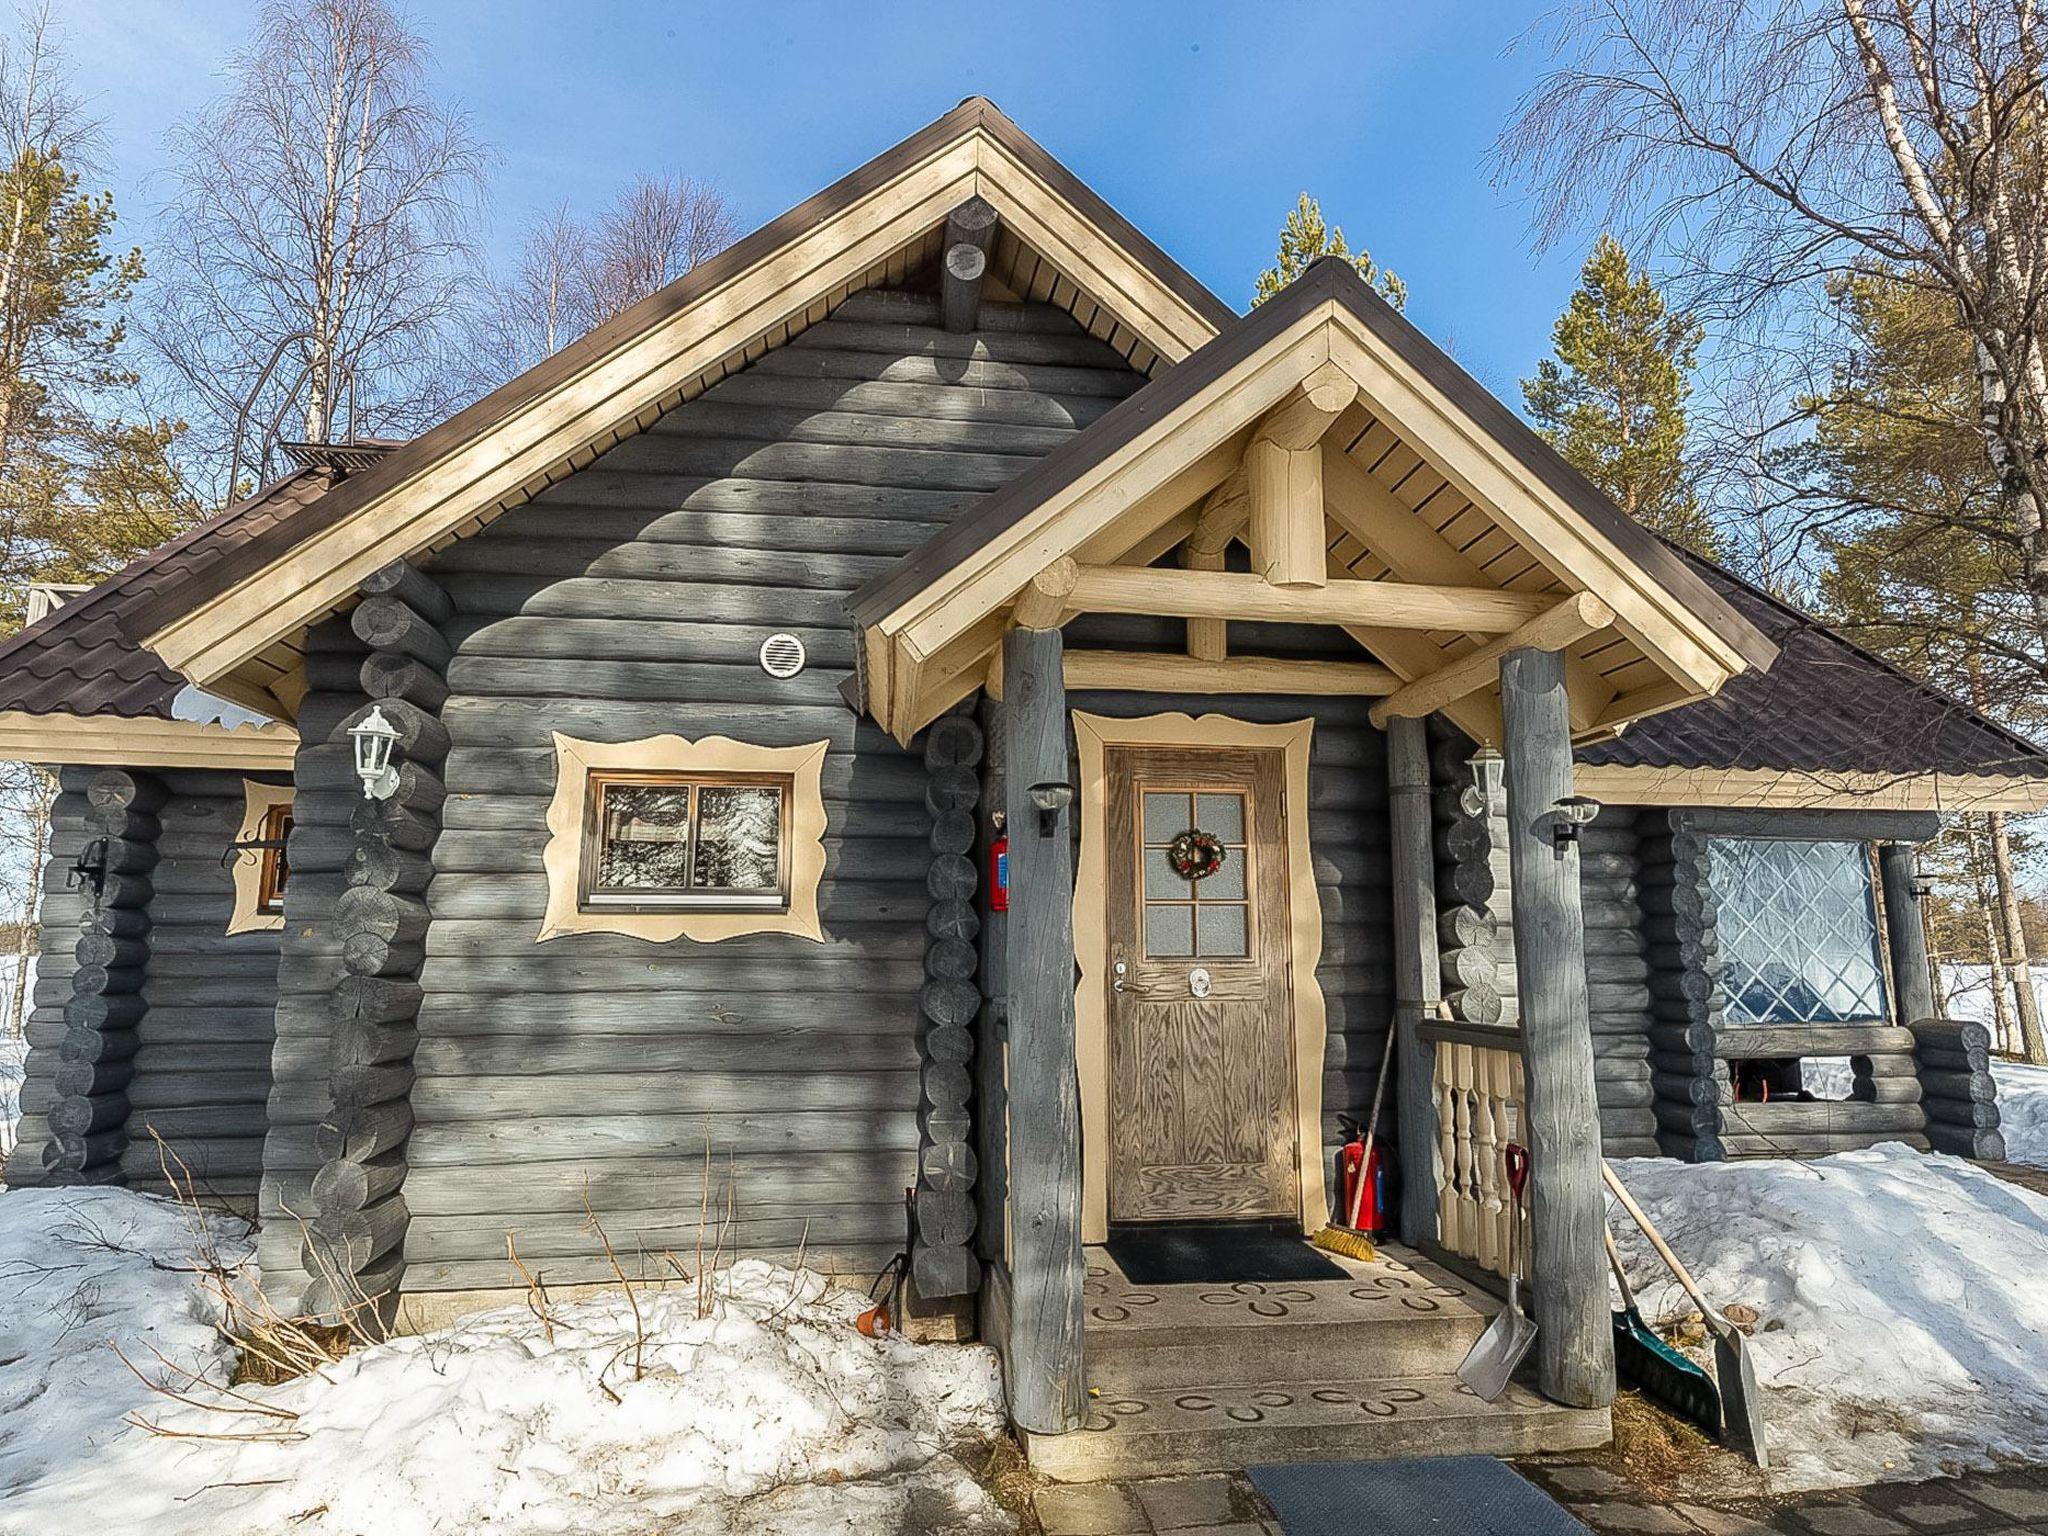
{"points": [[1741, 1399], [1490, 1363], [1647, 1363]]}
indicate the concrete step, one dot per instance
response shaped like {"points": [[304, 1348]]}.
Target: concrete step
{"points": [[1209, 1428], [1391, 1317]]}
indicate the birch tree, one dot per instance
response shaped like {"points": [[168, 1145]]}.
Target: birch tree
{"points": [[1781, 144], [318, 240], [574, 274]]}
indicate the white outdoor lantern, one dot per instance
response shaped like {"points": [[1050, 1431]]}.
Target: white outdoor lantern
{"points": [[374, 738]]}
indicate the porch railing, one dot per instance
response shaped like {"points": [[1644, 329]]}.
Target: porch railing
{"points": [[1479, 1094]]}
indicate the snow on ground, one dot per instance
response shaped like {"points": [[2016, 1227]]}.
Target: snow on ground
{"points": [[772, 1416], [2023, 1111], [1902, 1310]]}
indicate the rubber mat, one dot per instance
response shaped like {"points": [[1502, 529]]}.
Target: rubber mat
{"points": [[1468, 1495], [1216, 1253]]}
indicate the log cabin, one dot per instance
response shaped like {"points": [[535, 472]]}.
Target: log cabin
{"points": [[932, 734]]}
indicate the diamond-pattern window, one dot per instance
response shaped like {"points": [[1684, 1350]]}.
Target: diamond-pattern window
{"points": [[1798, 931]]}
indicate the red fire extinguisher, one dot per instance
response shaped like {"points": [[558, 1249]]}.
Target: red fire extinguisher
{"points": [[999, 868], [1362, 1180]]}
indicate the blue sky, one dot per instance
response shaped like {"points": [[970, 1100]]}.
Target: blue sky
{"points": [[1200, 122]]}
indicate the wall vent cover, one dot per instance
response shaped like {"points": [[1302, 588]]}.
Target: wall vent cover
{"points": [[782, 655]]}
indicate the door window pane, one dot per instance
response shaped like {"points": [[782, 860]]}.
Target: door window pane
{"points": [[1223, 931], [1798, 931], [1222, 816], [1162, 881], [1169, 931], [1166, 816]]}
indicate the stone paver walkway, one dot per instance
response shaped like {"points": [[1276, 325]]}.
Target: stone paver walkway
{"points": [[1226, 1504]]}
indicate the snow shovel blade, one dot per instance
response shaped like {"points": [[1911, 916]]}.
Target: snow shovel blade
{"points": [[1490, 1363], [1742, 1402]]}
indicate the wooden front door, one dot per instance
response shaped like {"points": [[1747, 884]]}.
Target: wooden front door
{"points": [[1203, 1117]]}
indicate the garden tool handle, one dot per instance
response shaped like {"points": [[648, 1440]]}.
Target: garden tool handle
{"points": [[1628, 1297], [1685, 1280]]}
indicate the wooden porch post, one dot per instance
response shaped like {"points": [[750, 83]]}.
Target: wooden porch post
{"points": [[1047, 1394], [1575, 1349], [1416, 981], [1898, 865]]}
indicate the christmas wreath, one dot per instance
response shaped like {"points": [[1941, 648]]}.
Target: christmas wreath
{"points": [[1195, 854]]}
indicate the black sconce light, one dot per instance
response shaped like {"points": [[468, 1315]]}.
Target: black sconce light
{"points": [[89, 869], [1050, 799], [1569, 817]]}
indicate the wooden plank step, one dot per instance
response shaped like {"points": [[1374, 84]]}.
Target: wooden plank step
{"points": [[1207, 1427]]}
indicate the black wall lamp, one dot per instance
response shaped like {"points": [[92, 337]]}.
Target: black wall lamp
{"points": [[1049, 800], [1569, 817], [89, 869]]}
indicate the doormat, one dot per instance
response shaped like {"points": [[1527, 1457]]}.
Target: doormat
{"points": [[1469, 1495], [1216, 1253]]}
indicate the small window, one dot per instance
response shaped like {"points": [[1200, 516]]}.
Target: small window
{"points": [[1798, 931], [258, 859], [276, 874], [667, 840], [664, 839]]}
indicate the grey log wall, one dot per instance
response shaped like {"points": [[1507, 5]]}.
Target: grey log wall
{"points": [[309, 968], [629, 601], [187, 1051]]}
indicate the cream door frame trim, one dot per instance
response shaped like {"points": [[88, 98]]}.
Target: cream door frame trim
{"points": [[1094, 735]]}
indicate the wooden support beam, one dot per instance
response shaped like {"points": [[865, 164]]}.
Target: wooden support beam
{"points": [[1573, 619], [1286, 492], [1304, 416], [1575, 1342], [1231, 595], [1043, 1364], [1222, 519], [970, 231], [1417, 982], [1906, 932], [1208, 639], [1046, 601], [1164, 672]]}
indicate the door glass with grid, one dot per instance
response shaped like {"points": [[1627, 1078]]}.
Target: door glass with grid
{"points": [[1205, 919]]}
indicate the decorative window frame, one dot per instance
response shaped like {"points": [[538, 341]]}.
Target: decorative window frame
{"points": [[258, 801], [576, 761]]}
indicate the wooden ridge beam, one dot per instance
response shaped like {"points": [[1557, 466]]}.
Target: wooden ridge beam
{"points": [[1044, 603], [1299, 421], [1230, 595], [1165, 672], [1571, 620], [970, 232]]}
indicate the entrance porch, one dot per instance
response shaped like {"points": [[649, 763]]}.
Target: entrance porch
{"points": [[1196, 1378]]}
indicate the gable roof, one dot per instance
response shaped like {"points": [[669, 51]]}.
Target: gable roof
{"points": [[1056, 240], [1827, 708], [1120, 490], [82, 658]]}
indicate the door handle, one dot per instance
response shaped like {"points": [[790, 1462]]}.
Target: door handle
{"points": [[1199, 981]]}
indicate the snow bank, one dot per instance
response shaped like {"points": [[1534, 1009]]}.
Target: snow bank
{"points": [[771, 1415], [1902, 1309], [2023, 1111], [79, 1267]]}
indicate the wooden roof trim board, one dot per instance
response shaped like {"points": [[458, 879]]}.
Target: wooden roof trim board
{"points": [[1144, 465], [599, 387], [1778, 788], [145, 741]]}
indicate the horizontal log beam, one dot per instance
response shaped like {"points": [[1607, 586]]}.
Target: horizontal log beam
{"points": [[1230, 595], [1571, 620], [1164, 672]]}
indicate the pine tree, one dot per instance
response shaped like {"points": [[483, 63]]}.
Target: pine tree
{"points": [[1612, 400], [1304, 238]]}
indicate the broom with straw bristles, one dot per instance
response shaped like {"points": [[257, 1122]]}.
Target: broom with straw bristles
{"points": [[1348, 1239]]}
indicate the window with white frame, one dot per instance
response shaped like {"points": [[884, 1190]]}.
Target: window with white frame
{"points": [[1798, 931]]}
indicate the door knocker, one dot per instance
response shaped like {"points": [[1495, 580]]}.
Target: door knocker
{"points": [[1198, 981]]}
